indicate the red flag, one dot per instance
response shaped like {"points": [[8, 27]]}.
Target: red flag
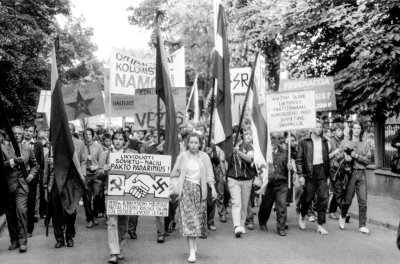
{"points": [[223, 114], [163, 89], [66, 173]]}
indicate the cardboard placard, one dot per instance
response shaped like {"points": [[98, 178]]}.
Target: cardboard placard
{"points": [[138, 184]]}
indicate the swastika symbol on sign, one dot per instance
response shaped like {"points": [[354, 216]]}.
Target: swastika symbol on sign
{"points": [[160, 185]]}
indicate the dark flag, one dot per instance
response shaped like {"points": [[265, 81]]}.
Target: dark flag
{"points": [[223, 113], [4, 198], [163, 89], [68, 179]]}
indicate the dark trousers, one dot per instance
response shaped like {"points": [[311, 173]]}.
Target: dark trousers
{"points": [[333, 206], [31, 204], [276, 192], [17, 216], [222, 193], [61, 218], [316, 185], [42, 201], [171, 214], [160, 224], [357, 184], [211, 205]]}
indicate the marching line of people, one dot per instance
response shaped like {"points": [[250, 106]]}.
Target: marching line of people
{"points": [[325, 172]]}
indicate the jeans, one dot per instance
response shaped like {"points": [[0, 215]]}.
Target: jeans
{"points": [[240, 195], [276, 192], [357, 184], [316, 185]]}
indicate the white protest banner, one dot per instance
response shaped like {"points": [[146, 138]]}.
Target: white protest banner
{"points": [[290, 110], [143, 105], [128, 73], [44, 101], [324, 90], [240, 79], [138, 184]]}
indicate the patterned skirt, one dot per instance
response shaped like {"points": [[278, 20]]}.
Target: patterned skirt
{"points": [[190, 210]]}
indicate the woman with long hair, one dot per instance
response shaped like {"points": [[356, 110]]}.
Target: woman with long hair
{"points": [[189, 178], [357, 154]]}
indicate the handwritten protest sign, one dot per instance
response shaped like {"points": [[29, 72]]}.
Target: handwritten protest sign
{"points": [[290, 110], [143, 104], [324, 90], [128, 73], [138, 184]]}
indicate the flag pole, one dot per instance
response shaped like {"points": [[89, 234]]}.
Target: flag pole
{"points": [[289, 158], [246, 97], [158, 119], [190, 98], [212, 111]]}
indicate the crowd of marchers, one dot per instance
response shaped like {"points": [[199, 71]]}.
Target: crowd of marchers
{"points": [[318, 170]]}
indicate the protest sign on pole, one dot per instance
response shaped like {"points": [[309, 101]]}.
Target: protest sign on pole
{"points": [[291, 110], [44, 105], [138, 184], [240, 78], [325, 98]]}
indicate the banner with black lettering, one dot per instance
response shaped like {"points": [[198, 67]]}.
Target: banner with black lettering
{"points": [[138, 184]]}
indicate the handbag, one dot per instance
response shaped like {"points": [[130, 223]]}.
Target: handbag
{"points": [[395, 163]]}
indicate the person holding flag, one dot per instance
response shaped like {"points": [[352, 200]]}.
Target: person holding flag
{"points": [[65, 179], [18, 188]]}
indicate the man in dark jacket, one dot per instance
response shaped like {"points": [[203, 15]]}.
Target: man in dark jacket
{"points": [[37, 148], [277, 189], [18, 188], [313, 166]]}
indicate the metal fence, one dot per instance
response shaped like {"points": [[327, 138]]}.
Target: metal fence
{"points": [[390, 132]]}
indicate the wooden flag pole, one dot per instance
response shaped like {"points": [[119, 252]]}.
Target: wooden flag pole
{"points": [[246, 97]]}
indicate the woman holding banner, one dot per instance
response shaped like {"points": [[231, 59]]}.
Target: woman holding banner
{"points": [[189, 178], [117, 225]]}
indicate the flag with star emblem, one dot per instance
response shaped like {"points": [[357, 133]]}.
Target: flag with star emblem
{"points": [[67, 171], [83, 100]]}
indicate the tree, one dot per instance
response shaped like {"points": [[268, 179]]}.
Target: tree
{"points": [[187, 23], [28, 31], [75, 57], [356, 41], [24, 40]]}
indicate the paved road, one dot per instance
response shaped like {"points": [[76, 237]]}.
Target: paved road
{"points": [[298, 246]]}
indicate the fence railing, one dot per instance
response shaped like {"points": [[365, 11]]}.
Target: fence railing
{"points": [[390, 132]]}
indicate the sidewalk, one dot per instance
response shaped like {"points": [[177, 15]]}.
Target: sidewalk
{"points": [[381, 211]]}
